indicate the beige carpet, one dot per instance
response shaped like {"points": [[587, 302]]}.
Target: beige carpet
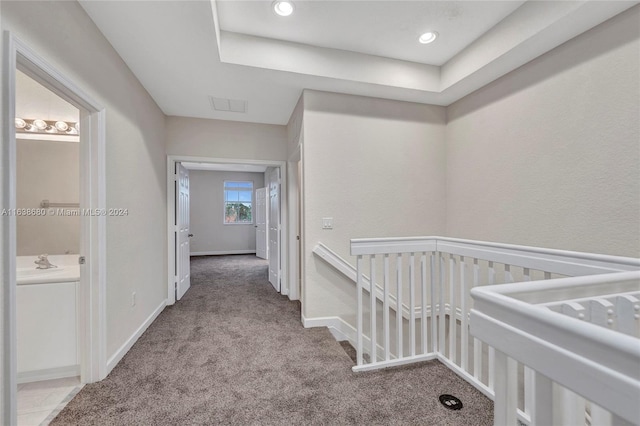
{"points": [[233, 351]]}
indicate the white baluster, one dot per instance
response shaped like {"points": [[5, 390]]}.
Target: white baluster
{"points": [[412, 308], [360, 313], [423, 310], [508, 277], [399, 319], [491, 279], [434, 313], [464, 324], [385, 312], [453, 333], [374, 307], [602, 312], [541, 401], [441, 310], [506, 390], [570, 409], [477, 344], [600, 416], [628, 313]]}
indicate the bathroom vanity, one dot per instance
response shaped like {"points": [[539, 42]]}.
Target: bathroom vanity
{"points": [[47, 318]]}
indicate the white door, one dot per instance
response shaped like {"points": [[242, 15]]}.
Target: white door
{"points": [[274, 228], [183, 251], [261, 223]]}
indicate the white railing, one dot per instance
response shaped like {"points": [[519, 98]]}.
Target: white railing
{"points": [[431, 279], [577, 337]]}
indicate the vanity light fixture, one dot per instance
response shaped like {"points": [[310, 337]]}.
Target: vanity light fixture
{"points": [[50, 127], [428, 37], [283, 7]]}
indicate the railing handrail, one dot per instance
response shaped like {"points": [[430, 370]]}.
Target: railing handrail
{"points": [[497, 301], [567, 261], [557, 345]]}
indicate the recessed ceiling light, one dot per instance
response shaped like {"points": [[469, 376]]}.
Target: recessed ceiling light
{"points": [[428, 37], [282, 7]]}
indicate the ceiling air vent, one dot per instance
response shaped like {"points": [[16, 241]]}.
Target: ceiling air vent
{"points": [[228, 105]]}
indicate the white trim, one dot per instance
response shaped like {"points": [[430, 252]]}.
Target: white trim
{"points": [[171, 160], [395, 362], [47, 137], [49, 374], [120, 353], [222, 252], [92, 310], [8, 408], [338, 327]]}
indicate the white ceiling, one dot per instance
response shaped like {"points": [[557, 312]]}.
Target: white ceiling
{"points": [[183, 52], [381, 28]]}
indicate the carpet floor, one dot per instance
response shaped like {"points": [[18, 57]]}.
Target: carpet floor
{"points": [[233, 351]]}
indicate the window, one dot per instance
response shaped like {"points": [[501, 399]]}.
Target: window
{"points": [[238, 202]]}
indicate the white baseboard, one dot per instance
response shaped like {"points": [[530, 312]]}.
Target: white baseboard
{"points": [[120, 353], [222, 252], [339, 328], [48, 374]]}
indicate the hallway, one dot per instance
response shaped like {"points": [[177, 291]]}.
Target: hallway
{"points": [[233, 351]]}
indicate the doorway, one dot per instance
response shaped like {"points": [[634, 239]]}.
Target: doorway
{"points": [[91, 321], [236, 202]]}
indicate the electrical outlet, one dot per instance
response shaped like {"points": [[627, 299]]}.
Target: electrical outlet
{"points": [[327, 223], [133, 299]]}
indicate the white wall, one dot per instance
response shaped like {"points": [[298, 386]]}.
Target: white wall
{"points": [[4, 347], [377, 167], [65, 36], [225, 139], [47, 170], [549, 155], [210, 234]]}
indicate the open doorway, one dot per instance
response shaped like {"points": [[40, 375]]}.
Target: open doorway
{"points": [[89, 288], [48, 235], [236, 208]]}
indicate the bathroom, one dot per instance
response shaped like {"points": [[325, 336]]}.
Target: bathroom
{"points": [[48, 238]]}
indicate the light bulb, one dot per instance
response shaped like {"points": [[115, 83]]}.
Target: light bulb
{"points": [[428, 37], [62, 126], [283, 8], [40, 124]]}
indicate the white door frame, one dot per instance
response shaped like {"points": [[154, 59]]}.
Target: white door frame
{"points": [[261, 215], [171, 160], [296, 247], [92, 295]]}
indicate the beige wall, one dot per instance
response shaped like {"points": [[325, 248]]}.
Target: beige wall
{"points": [[47, 170], [549, 155], [377, 167], [226, 139], [210, 234], [65, 36]]}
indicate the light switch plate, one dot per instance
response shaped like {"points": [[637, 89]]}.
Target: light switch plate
{"points": [[327, 223]]}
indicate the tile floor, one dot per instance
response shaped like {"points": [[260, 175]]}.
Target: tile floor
{"points": [[40, 402]]}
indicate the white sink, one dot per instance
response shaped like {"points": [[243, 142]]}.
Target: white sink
{"points": [[33, 272]]}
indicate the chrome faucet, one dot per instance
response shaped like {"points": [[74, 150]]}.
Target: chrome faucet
{"points": [[43, 262]]}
